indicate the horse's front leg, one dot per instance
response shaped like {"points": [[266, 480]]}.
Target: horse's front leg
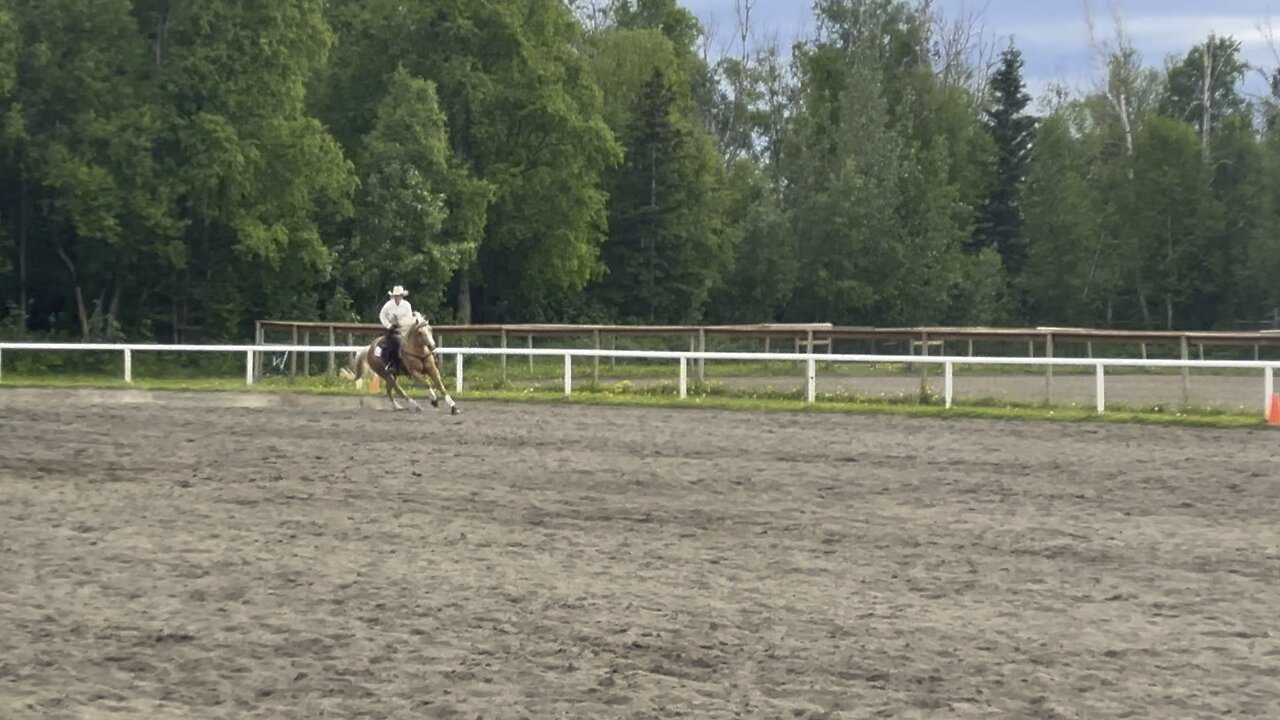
{"points": [[431, 392], [428, 364], [433, 373]]}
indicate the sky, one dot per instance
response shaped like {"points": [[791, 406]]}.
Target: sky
{"points": [[1053, 35]]}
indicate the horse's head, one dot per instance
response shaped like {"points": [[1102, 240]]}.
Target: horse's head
{"points": [[420, 329]]}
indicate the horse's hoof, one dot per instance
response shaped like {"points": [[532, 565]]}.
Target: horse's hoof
{"points": [[454, 410], [435, 403]]}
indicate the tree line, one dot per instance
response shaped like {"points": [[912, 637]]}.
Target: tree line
{"points": [[174, 170]]}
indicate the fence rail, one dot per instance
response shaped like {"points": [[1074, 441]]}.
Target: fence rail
{"points": [[1047, 342], [683, 359]]}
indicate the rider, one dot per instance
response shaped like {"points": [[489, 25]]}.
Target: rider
{"points": [[393, 312]]}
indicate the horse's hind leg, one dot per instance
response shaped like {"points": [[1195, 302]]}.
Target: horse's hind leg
{"points": [[392, 388], [412, 403]]}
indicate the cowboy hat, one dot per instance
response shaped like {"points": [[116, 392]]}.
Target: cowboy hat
{"points": [[397, 290]]}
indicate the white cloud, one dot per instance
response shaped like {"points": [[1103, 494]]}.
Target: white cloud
{"points": [[1150, 31]]}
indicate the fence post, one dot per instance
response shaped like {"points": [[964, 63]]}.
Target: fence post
{"points": [[502, 360], [128, 365], [684, 378], [811, 379], [306, 357], [702, 362], [248, 367], [293, 355], [529, 344], [1048, 369], [1186, 373], [568, 375], [457, 373], [924, 366], [259, 335], [1268, 389], [595, 359], [333, 362], [1101, 388], [948, 386]]}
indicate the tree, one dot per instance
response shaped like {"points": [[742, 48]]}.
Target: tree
{"points": [[254, 170], [676, 23], [1064, 234], [1000, 221], [419, 213], [524, 117], [1173, 215], [877, 236], [9, 54], [90, 199], [763, 279], [1237, 271], [1203, 89], [668, 243]]}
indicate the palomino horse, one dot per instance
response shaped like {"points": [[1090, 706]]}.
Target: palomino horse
{"points": [[417, 358]]}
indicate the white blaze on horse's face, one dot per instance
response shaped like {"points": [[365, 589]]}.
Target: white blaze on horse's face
{"points": [[425, 331]]}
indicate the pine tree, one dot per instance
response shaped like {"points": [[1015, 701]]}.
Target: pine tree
{"points": [[1000, 221], [667, 244]]}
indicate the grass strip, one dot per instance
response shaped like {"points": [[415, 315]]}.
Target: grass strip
{"points": [[711, 397]]}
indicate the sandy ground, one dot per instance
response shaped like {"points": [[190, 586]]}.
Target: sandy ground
{"points": [[192, 560]]}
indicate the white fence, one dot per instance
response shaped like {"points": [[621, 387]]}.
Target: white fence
{"points": [[683, 359]]}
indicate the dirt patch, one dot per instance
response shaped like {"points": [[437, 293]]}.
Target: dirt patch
{"points": [[183, 560]]}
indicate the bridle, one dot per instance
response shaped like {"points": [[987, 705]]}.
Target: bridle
{"points": [[431, 351]]}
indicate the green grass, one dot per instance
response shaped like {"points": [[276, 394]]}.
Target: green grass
{"points": [[486, 371], [1006, 412], [709, 396]]}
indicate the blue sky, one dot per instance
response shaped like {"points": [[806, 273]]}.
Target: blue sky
{"points": [[1052, 33]]}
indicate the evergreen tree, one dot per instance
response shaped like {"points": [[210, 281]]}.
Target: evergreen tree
{"points": [[1000, 221], [668, 244]]}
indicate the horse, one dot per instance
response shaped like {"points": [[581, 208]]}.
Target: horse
{"points": [[417, 358]]}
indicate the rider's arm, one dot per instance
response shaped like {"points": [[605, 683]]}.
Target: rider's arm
{"points": [[385, 315]]}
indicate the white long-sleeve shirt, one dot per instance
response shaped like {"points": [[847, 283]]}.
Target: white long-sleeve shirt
{"points": [[394, 314]]}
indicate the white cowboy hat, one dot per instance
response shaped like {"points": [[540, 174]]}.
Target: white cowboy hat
{"points": [[397, 290]]}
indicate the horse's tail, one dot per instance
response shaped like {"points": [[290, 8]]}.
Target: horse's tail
{"points": [[360, 363]]}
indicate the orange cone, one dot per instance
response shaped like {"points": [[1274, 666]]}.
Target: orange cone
{"points": [[375, 385], [1273, 413]]}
